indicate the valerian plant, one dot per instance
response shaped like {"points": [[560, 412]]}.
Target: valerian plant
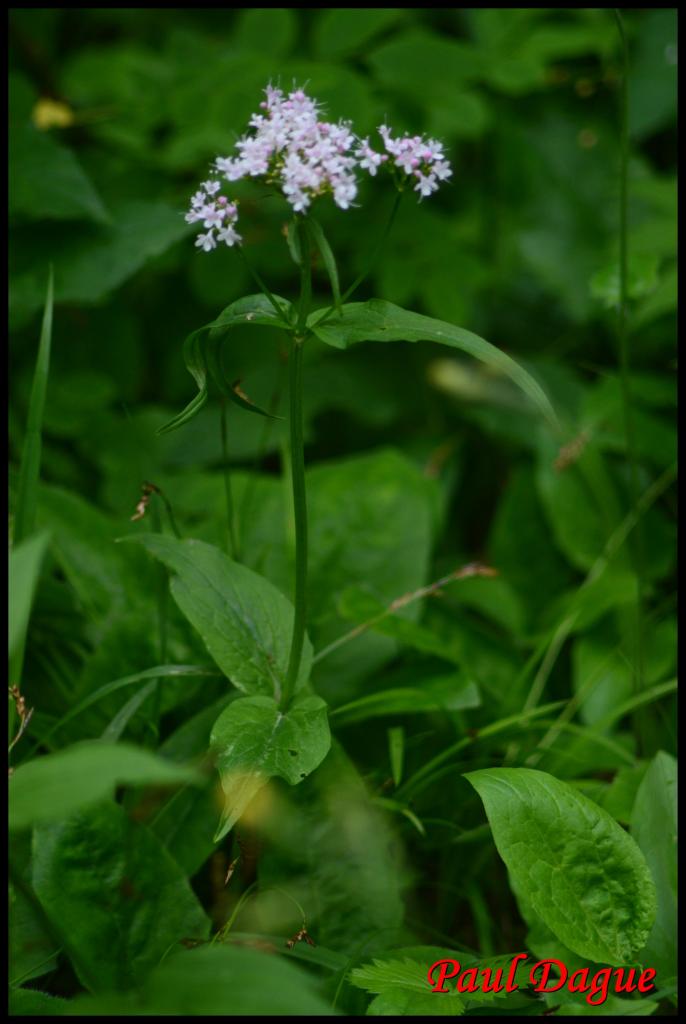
{"points": [[279, 727], [107, 882]]}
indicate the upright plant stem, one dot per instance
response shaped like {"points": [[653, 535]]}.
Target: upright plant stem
{"points": [[230, 513], [298, 468]]}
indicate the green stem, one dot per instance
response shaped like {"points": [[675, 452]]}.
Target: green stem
{"points": [[297, 453], [623, 340], [230, 513]]}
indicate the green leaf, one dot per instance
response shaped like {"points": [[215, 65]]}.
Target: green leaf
{"points": [[25, 565], [27, 1002], [114, 895], [49, 788], [399, 982], [321, 241], [585, 877], [47, 181], [293, 241], [29, 472], [253, 309], [219, 981], [253, 741], [200, 352], [378, 320], [244, 621], [654, 827], [363, 512], [32, 952], [195, 364]]}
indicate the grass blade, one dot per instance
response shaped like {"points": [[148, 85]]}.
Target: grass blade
{"points": [[27, 493]]}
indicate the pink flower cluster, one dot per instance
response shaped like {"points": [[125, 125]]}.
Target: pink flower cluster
{"points": [[306, 157], [421, 158], [216, 213], [291, 146]]}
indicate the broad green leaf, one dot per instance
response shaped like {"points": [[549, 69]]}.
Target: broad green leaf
{"points": [[253, 741], [114, 895], [25, 565], [29, 472], [244, 621], [585, 877], [52, 787], [220, 981], [378, 320], [654, 827], [47, 181]]}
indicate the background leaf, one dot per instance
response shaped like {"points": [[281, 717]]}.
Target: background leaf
{"points": [[242, 618], [114, 894], [50, 788], [583, 874]]}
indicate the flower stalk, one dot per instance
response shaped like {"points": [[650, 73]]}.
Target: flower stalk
{"points": [[297, 460]]}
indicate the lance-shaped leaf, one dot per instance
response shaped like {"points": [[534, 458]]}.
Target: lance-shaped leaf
{"points": [[245, 622], [200, 351], [584, 876], [253, 741], [321, 241], [378, 320], [195, 364]]}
